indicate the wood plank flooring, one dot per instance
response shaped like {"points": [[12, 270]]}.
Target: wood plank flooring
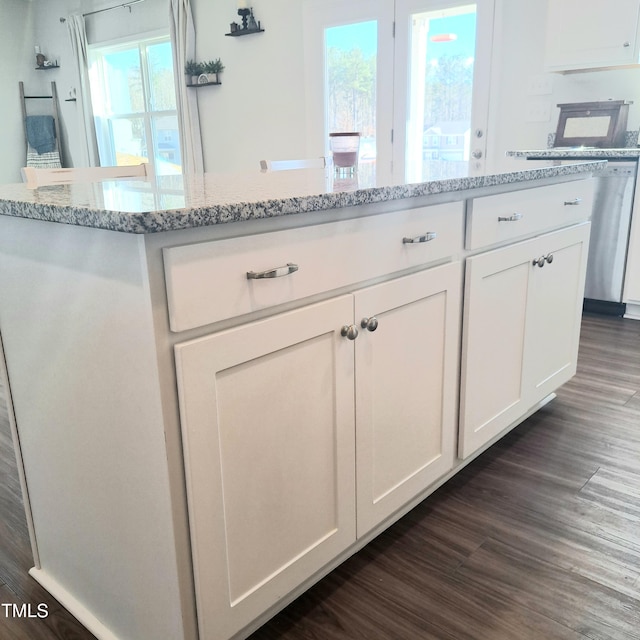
{"points": [[537, 539]]}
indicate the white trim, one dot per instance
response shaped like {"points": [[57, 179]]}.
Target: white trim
{"points": [[71, 604], [156, 34], [632, 311]]}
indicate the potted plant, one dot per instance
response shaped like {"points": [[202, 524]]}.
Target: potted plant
{"points": [[210, 68], [192, 70], [218, 69]]}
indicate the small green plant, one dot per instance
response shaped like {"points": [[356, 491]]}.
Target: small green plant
{"points": [[218, 66], [193, 68], [209, 67]]}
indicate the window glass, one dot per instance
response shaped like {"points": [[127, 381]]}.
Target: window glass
{"points": [[350, 60], [441, 62], [134, 104]]}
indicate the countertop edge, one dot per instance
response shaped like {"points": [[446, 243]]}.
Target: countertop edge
{"points": [[204, 216], [574, 153]]}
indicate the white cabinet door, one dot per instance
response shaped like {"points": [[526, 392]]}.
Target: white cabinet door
{"points": [[586, 34], [268, 428], [406, 383], [521, 330], [491, 393], [554, 311]]}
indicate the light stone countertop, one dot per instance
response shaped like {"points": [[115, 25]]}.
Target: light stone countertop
{"points": [[170, 203], [572, 153]]}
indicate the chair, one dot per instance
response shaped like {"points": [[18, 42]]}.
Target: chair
{"points": [[285, 165], [34, 177]]}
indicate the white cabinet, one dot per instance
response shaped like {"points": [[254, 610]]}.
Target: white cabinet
{"points": [[268, 433], [520, 336], [587, 34], [406, 388], [554, 311], [271, 448]]}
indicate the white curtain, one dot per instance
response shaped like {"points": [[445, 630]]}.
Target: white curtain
{"points": [[183, 43], [86, 124]]}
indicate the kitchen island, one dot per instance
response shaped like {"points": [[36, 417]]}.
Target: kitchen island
{"points": [[223, 387]]}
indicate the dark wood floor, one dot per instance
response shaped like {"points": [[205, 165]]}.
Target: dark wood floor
{"points": [[537, 539]]}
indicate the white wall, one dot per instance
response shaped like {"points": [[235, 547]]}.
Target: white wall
{"points": [[520, 41], [17, 60], [259, 111]]}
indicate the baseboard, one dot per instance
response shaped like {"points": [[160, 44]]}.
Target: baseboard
{"points": [[604, 307], [633, 311], [71, 604]]}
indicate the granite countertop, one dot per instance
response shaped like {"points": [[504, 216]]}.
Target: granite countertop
{"points": [[168, 203], [571, 153]]}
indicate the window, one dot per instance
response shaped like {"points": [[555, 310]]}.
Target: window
{"points": [[134, 104]]}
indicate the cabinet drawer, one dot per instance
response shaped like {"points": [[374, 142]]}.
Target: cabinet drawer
{"points": [[508, 216], [208, 282]]}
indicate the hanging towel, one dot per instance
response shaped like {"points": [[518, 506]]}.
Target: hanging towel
{"points": [[43, 160], [41, 133]]}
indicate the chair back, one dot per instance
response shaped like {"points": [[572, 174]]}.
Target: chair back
{"points": [[35, 177], [285, 165]]}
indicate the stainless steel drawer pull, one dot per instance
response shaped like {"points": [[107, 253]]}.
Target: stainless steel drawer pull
{"points": [[278, 272], [573, 202], [427, 237], [512, 218]]}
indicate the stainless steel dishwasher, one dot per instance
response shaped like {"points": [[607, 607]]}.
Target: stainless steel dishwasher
{"points": [[610, 224]]}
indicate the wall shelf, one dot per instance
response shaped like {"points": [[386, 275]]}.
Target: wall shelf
{"points": [[48, 68], [202, 84], [243, 32]]}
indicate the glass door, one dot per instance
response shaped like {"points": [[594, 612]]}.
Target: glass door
{"points": [[412, 76], [442, 87], [349, 53]]}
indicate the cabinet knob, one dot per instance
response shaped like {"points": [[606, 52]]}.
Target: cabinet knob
{"points": [[370, 324], [574, 202], [477, 154], [626, 43], [549, 258], [349, 331], [539, 262]]}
